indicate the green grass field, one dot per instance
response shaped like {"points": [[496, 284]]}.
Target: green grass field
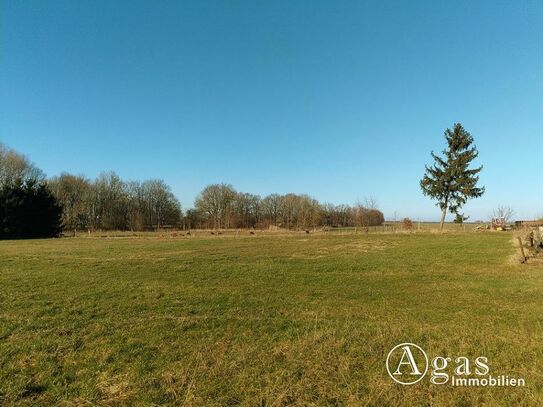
{"points": [[262, 320]]}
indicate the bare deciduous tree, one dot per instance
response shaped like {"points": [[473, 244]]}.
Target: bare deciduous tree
{"points": [[72, 191], [215, 202], [503, 211], [16, 168]]}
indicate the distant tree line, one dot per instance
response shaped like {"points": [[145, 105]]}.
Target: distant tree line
{"points": [[33, 206], [109, 203], [221, 206]]}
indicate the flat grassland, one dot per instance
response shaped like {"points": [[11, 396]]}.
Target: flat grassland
{"points": [[263, 320]]}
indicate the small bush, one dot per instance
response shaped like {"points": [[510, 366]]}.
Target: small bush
{"points": [[407, 224]]}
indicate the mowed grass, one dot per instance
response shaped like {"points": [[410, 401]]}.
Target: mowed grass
{"points": [[262, 320]]}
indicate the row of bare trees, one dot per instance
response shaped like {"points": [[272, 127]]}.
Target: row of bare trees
{"points": [[221, 206], [109, 203]]}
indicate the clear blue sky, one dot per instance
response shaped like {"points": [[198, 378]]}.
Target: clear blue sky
{"points": [[337, 99]]}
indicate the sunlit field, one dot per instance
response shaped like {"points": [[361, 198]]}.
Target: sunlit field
{"points": [[262, 320]]}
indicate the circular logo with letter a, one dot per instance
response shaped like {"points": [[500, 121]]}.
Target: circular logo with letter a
{"points": [[407, 363]]}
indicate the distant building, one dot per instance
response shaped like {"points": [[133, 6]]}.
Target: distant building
{"points": [[528, 224]]}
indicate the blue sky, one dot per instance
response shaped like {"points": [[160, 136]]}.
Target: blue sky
{"points": [[338, 99]]}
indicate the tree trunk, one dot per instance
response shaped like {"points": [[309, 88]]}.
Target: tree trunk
{"points": [[443, 213]]}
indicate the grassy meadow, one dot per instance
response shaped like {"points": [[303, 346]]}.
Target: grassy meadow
{"points": [[264, 320]]}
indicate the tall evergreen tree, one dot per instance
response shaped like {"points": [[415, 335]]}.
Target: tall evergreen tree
{"points": [[450, 181], [28, 210]]}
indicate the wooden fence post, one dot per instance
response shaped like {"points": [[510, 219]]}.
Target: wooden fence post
{"points": [[522, 249]]}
